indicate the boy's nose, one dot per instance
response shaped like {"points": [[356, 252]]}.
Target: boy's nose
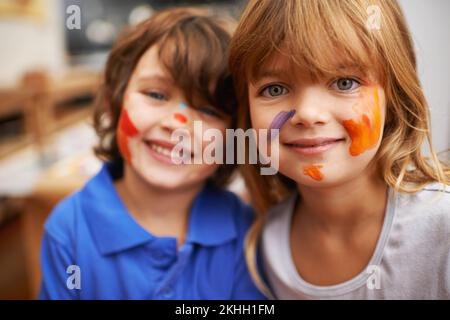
{"points": [[176, 117], [310, 110]]}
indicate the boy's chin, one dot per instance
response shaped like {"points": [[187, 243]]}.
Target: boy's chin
{"points": [[166, 180]]}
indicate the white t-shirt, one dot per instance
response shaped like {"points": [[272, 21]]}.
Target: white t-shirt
{"points": [[411, 259]]}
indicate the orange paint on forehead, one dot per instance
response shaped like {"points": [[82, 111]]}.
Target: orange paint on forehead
{"points": [[366, 130], [313, 171], [125, 130]]}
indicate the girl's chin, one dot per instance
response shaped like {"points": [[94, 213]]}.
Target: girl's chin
{"points": [[316, 179]]}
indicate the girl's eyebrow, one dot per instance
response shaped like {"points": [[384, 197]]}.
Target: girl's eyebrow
{"points": [[265, 74], [270, 73], [350, 68]]}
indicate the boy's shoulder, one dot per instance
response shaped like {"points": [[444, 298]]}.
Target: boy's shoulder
{"points": [[242, 213], [68, 212], [61, 220]]}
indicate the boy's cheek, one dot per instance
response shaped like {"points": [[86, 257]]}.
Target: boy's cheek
{"points": [[126, 130]]}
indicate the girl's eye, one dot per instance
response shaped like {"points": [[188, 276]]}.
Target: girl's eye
{"points": [[345, 84], [274, 91], [156, 95]]}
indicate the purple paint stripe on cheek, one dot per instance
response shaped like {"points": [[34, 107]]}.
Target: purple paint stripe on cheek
{"points": [[278, 122]]}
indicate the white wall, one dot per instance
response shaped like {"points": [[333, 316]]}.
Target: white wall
{"points": [[29, 44], [429, 22]]}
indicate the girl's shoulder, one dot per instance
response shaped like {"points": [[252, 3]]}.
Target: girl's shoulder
{"points": [[433, 198], [424, 214], [279, 216]]}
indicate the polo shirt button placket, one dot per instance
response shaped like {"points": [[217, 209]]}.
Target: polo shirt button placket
{"points": [[166, 293], [158, 255]]}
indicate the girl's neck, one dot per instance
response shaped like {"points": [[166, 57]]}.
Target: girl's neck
{"points": [[161, 211], [344, 208]]}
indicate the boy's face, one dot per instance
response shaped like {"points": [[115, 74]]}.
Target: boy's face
{"points": [[153, 108], [336, 129]]}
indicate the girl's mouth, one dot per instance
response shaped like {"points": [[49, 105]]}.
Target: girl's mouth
{"points": [[315, 146]]}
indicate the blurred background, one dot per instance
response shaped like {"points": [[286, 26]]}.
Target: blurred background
{"points": [[52, 53]]}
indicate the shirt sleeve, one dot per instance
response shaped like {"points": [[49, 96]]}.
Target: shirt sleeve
{"points": [[57, 270], [243, 286]]}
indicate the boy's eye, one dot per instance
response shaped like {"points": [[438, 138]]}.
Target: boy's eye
{"points": [[345, 84], [274, 91], [156, 95], [209, 111]]}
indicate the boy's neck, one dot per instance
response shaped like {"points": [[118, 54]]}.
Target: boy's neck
{"points": [[161, 211], [344, 208]]}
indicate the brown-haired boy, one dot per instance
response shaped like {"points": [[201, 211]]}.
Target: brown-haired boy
{"points": [[145, 227]]}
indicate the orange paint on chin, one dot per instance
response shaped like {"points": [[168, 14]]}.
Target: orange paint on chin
{"points": [[180, 117], [313, 171], [365, 131], [125, 130]]}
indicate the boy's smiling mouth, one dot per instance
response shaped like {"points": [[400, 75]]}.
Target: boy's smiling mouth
{"points": [[162, 150]]}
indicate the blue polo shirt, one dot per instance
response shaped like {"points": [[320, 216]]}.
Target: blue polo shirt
{"points": [[93, 249]]}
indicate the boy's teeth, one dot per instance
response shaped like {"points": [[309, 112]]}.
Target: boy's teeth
{"points": [[164, 151]]}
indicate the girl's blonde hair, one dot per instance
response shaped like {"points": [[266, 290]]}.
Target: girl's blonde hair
{"points": [[320, 37]]}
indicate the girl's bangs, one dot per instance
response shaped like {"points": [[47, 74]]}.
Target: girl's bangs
{"points": [[323, 38]]}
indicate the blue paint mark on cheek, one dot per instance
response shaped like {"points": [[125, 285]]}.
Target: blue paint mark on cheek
{"points": [[183, 106]]}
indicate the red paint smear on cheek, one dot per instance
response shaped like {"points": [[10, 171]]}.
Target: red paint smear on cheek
{"points": [[180, 117], [127, 125], [314, 172], [364, 132], [126, 130]]}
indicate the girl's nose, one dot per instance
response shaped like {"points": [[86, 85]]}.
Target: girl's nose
{"points": [[310, 109]]}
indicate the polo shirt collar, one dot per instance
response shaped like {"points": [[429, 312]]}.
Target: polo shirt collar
{"points": [[211, 219]]}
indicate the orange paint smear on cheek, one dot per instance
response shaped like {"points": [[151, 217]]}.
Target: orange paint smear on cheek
{"points": [[365, 131], [126, 130], [313, 171]]}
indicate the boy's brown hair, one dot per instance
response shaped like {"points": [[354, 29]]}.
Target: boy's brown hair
{"points": [[193, 46]]}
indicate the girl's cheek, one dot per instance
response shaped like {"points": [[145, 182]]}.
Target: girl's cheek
{"points": [[313, 171], [278, 122], [365, 129], [125, 130]]}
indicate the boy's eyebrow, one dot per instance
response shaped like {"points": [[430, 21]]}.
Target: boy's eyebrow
{"points": [[154, 77]]}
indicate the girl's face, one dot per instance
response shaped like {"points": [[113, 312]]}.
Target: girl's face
{"points": [[153, 108], [337, 126]]}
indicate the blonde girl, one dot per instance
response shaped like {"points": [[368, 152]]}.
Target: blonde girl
{"points": [[356, 210]]}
